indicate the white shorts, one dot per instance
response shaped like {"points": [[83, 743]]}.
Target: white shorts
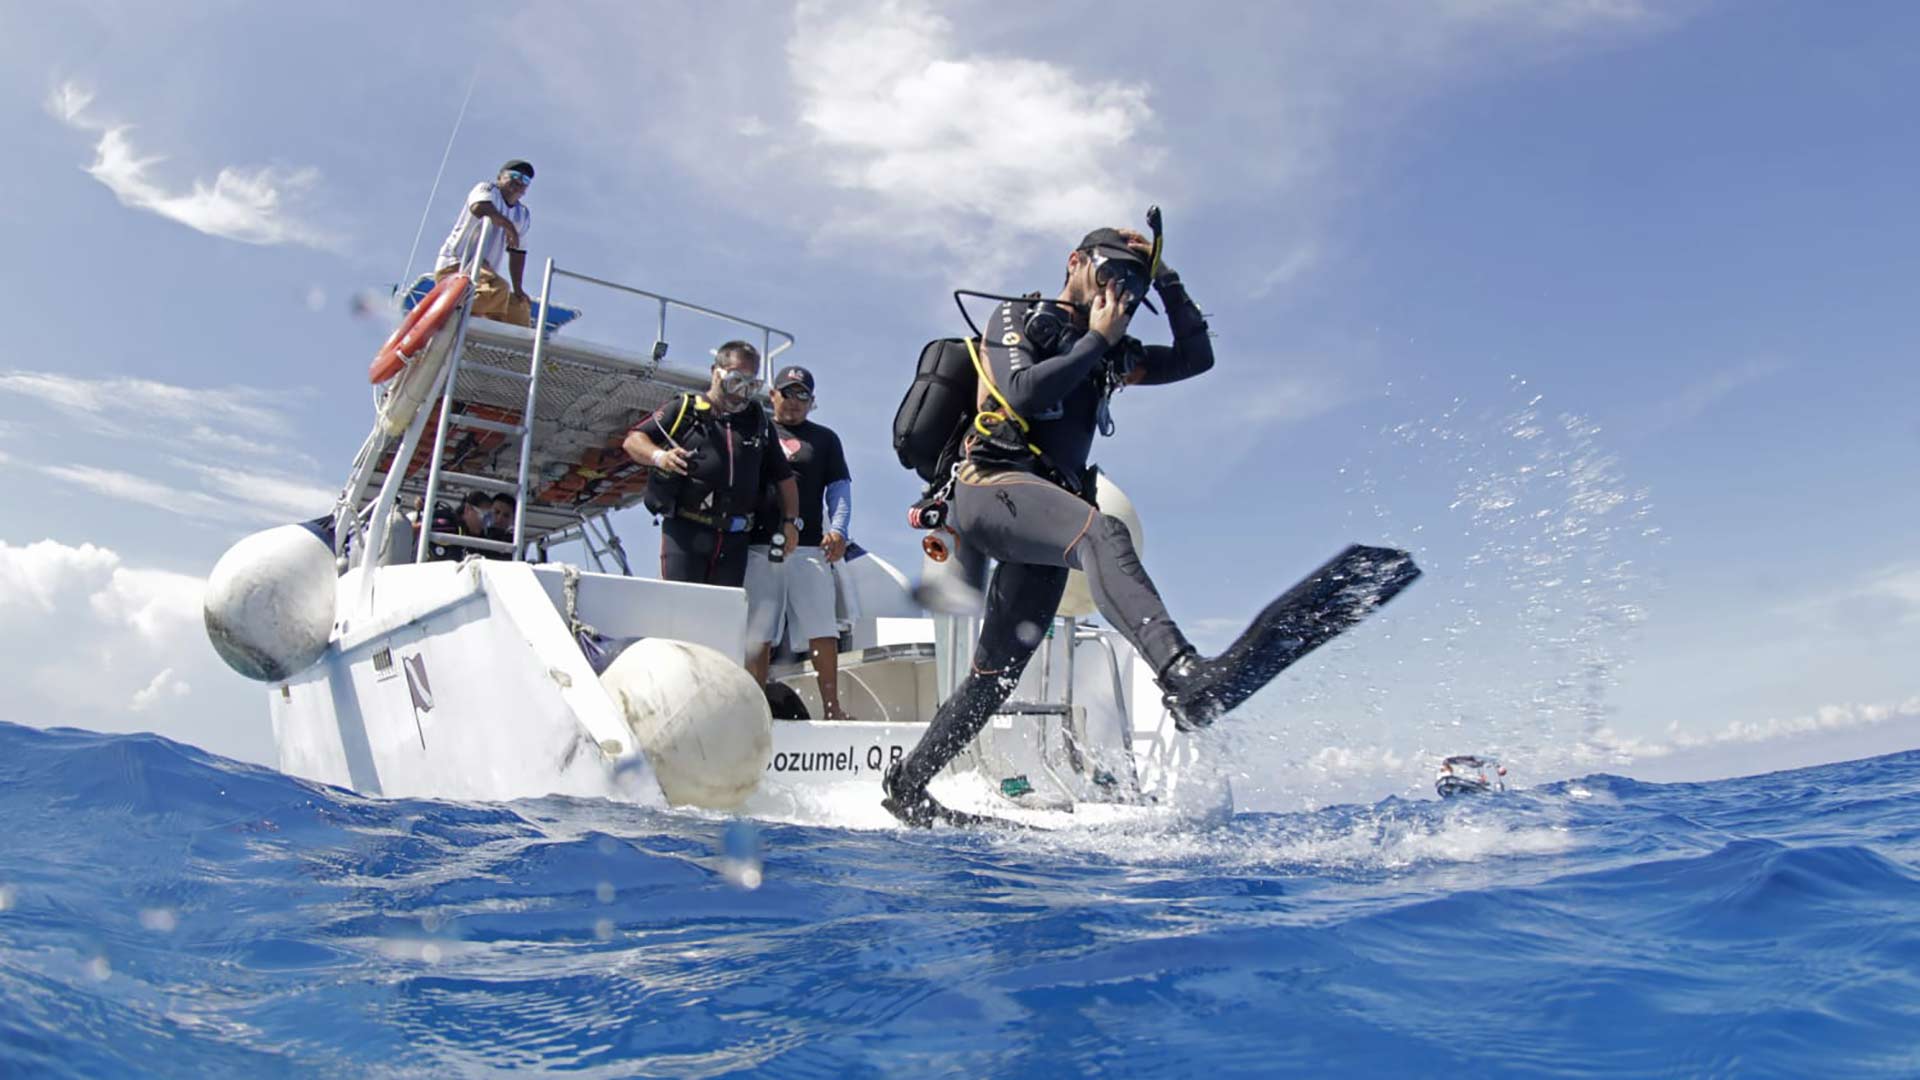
{"points": [[796, 594]]}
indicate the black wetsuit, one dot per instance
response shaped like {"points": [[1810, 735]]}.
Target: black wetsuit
{"points": [[731, 456], [1034, 513]]}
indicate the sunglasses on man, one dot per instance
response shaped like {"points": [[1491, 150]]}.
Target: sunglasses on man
{"points": [[518, 177], [797, 393]]}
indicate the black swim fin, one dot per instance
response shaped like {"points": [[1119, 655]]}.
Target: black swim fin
{"points": [[1322, 606]]}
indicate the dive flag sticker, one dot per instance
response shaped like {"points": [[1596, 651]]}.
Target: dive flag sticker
{"points": [[1011, 339], [417, 684]]}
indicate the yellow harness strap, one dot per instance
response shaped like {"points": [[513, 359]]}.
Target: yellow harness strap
{"points": [[1004, 412]]}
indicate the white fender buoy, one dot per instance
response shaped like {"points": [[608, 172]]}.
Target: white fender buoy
{"points": [[1077, 601], [698, 716], [269, 603]]}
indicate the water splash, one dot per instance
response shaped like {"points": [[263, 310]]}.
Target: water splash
{"points": [[1537, 551]]}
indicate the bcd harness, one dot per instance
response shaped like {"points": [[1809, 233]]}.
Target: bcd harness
{"points": [[685, 495]]}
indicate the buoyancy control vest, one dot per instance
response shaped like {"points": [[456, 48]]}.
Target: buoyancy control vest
{"points": [[690, 427]]}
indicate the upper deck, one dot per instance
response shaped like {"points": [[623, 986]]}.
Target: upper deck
{"points": [[567, 467]]}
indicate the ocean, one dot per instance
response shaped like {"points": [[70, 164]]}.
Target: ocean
{"points": [[166, 912]]}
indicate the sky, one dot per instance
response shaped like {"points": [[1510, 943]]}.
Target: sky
{"points": [[1605, 309]]}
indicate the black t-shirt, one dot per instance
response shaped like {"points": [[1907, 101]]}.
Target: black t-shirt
{"points": [[729, 462], [814, 452]]}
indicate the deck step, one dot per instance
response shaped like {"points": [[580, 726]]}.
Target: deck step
{"points": [[477, 542], [483, 424], [484, 483]]}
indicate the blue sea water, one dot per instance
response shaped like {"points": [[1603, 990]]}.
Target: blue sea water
{"points": [[164, 912]]}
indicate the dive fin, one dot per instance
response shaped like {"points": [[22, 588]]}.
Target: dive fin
{"points": [[1346, 589]]}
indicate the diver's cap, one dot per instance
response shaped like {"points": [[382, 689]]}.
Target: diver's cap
{"points": [[793, 375], [1111, 244]]}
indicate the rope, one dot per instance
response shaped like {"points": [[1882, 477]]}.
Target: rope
{"points": [[406, 278], [571, 591]]}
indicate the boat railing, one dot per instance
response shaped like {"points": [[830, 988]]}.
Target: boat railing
{"points": [[486, 359]]}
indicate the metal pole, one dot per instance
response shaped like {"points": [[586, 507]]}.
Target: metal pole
{"points": [[533, 398], [446, 400]]}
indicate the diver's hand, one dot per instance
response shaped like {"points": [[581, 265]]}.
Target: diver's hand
{"points": [[1110, 314], [672, 461]]}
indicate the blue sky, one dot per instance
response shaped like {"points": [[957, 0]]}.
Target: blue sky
{"points": [[1606, 308]]}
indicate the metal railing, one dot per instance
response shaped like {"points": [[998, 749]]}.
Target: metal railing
{"points": [[370, 520]]}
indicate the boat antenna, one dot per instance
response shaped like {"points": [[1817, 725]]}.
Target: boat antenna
{"points": [[406, 277]]}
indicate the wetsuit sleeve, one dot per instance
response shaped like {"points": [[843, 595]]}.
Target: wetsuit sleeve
{"points": [[1192, 350], [840, 507], [1031, 384]]}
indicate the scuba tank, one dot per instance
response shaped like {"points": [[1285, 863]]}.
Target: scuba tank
{"points": [[937, 410]]}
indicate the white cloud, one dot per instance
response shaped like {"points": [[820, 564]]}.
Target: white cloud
{"points": [[163, 686], [86, 640], [277, 497], [127, 487], [227, 424], [123, 398], [947, 143], [1827, 718], [251, 205]]}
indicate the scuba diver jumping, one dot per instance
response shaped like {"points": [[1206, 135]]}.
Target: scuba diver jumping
{"points": [[1013, 483]]}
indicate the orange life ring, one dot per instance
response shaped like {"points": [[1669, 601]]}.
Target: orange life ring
{"points": [[418, 328]]}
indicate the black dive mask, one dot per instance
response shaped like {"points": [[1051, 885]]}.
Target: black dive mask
{"points": [[1050, 328], [1124, 273]]}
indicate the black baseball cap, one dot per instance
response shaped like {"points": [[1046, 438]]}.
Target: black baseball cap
{"points": [[1111, 244], [793, 375], [520, 166]]}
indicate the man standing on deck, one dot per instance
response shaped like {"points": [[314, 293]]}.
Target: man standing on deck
{"points": [[712, 454], [799, 590], [500, 204]]}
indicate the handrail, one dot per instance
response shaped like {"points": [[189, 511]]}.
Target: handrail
{"points": [[357, 508], [767, 351]]}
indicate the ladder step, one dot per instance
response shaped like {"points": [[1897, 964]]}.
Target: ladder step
{"points": [[483, 424], [480, 542], [489, 369], [484, 483], [1031, 708]]}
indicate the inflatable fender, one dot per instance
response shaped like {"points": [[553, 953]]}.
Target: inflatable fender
{"points": [[269, 603], [700, 718]]}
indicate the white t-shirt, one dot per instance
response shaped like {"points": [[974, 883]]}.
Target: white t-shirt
{"points": [[466, 228]]}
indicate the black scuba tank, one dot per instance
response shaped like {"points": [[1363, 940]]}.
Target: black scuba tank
{"points": [[938, 409]]}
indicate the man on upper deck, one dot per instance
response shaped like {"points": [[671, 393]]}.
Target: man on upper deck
{"points": [[500, 204]]}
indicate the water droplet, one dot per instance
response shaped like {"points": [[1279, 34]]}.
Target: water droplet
{"points": [[159, 920], [603, 929], [740, 860], [604, 892], [99, 968], [430, 953]]}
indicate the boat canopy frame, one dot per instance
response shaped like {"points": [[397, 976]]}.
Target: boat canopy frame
{"points": [[525, 414]]}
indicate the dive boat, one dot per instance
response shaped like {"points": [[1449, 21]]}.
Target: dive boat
{"points": [[505, 671]]}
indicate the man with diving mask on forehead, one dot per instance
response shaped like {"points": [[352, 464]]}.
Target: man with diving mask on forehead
{"points": [[1024, 494], [711, 456]]}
